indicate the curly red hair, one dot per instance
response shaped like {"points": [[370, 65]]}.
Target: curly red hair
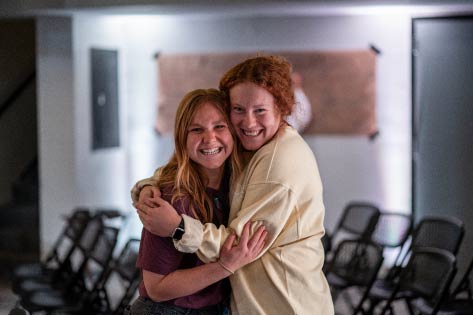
{"points": [[272, 73]]}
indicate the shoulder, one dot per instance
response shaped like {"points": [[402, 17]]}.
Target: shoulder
{"points": [[181, 205], [287, 148], [285, 159]]}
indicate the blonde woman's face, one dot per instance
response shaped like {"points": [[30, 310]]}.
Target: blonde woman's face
{"points": [[209, 141]]}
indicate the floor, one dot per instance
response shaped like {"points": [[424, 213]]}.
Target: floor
{"points": [[8, 300]]}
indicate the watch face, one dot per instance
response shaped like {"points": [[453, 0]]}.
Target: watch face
{"points": [[178, 234]]}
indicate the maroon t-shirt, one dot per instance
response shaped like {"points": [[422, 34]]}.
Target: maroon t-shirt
{"points": [[158, 255]]}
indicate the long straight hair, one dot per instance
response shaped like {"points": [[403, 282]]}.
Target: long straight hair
{"points": [[181, 172]]}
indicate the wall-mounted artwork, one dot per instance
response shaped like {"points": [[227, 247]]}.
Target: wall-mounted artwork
{"points": [[337, 86]]}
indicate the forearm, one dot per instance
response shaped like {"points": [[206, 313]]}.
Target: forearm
{"points": [[203, 239], [270, 205], [183, 282]]}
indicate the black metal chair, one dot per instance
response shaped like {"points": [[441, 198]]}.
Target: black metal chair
{"points": [[77, 296], [436, 232], [69, 238], [18, 311], [65, 274], [355, 263], [120, 282], [459, 302], [426, 277], [358, 221]]}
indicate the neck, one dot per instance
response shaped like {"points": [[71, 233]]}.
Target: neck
{"points": [[215, 177]]}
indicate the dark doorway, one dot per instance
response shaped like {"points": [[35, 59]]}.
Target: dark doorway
{"points": [[19, 228]]}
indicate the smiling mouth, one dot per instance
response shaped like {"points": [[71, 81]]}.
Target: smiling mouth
{"points": [[251, 133], [211, 151]]}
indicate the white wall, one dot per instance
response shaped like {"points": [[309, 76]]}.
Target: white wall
{"points": [[56, 133], [351, 167]]}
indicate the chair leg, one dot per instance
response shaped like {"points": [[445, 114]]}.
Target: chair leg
{"points": [[409, 307], [359, 307], [372, 306]]}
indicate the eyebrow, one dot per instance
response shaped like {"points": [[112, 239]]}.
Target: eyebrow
{"points": [[221, 121]]}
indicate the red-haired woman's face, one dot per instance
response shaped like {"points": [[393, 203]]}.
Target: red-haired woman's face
{"points": [[254, 115]]}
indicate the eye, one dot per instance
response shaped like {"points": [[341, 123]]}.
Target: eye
{"points": [[195, 130], [238, 109], [220, 126], [260, 110]]}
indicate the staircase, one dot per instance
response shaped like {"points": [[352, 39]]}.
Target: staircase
{"points": [[19, 230]]}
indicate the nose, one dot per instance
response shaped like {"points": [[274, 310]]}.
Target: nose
{"points": [[249, 120], [208, 136]]}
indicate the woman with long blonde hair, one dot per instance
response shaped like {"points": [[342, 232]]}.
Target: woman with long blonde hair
{"points": [[195, 181]]}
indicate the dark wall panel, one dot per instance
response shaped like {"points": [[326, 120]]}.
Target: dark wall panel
{"points": [[443, 121], [105, 107]]}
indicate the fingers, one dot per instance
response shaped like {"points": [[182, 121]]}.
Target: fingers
{"points": [[146, 192], [228, 244], [258, 238], [245, 233], [157, 201], [155, 191]]}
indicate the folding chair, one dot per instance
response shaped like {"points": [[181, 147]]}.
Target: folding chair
{"points": [[76, 297], [64, 244], [355, 263], [120, 282], [426, 277], [436, 232], [61, 277], [358, 221], [459, 302]]}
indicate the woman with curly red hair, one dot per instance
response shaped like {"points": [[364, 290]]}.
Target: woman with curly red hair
{"points": [[280, 186]]}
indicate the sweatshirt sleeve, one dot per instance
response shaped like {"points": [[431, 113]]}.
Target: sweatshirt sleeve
{"points": [[265, 203], [136, 189]]}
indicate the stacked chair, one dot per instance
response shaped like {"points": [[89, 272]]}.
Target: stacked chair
{"points": [[358, 221], [355, 263], [76, 278], [57, 261], [355, 260], [445, 233], [458, 302], [421, 275], [425, 278]]}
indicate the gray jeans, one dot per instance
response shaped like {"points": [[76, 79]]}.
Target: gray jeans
{"points": [[145, 306]]}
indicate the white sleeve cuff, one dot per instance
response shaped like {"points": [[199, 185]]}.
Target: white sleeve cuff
{"points": [[192, 238]]}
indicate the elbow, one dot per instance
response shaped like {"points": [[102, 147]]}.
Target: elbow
{"points": [[158, 295]]}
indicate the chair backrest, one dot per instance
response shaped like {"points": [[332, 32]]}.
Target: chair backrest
{"points": [[120, 282], [358, 219], [444, 232], [96, 242], [357, 262], [95, 266], [392, 229], [71, 234], [427, 275]]}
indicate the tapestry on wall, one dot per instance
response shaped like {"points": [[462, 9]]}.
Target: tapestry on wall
{"points": [[335, 91]]}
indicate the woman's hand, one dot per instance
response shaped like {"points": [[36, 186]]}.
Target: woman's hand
{"points": [[149, 192], [233, 257], [157, 215]]}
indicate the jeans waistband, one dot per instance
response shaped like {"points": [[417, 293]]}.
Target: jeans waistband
{"points": [[211, 309]]}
